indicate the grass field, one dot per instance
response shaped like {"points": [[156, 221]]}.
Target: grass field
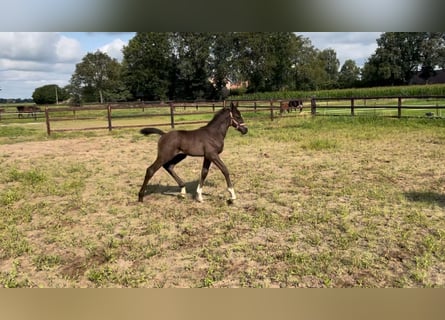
{"points": [[322, 202]]}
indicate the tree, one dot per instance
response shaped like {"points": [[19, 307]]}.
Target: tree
{"points": [[222, 63], [306, 66], [192, 66], [98, 75], [349, 75], [330, 63], [314, 69], [283, 46], [49, 94], [432, 54], [266, 59], [400, 55], [147, 65]]}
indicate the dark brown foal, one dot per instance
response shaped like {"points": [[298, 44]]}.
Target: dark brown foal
{"points": [[207, 142]]}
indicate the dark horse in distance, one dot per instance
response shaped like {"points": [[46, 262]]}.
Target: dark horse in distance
{"points": [[30, 110], [291, 105], [207, 142]]}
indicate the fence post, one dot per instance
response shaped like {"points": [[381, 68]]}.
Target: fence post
{"points": [[254, 106], [110, 127], [271, 110], [352, 107], [313, 106], [172, 116], [399, 107], [48, 128]]}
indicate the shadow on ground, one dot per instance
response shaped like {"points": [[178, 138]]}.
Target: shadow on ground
{"points": [[427, 197], [172, 190]]}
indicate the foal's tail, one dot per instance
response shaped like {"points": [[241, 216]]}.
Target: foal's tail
{"points": [[147, 131]]}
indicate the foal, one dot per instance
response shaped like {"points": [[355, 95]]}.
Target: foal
{"points": [[207, 142]]}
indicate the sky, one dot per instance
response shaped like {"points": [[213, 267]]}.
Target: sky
{"points": [[29, 60]]}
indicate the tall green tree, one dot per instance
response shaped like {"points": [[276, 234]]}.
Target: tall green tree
{"points": [[400, 55], [98, 75], [49, 94], [306, 65], [147, 64], [283, 46], [349, 75], [432, 53], [330, 63], [192, 65], [266, 59], [222, 62]]}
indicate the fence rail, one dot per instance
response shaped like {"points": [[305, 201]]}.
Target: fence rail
{"points": [[130, 115], [146, 110]]}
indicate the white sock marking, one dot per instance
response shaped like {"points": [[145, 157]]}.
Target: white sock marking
{"points": [[199, 193], [232, 193]]}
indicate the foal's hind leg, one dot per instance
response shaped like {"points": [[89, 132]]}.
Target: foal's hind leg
{"points": [[204, 172], [169, 166], [149, 173]]}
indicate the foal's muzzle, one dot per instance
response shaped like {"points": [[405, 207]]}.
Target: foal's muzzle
{"points": [[238, 125], [242, 128]]}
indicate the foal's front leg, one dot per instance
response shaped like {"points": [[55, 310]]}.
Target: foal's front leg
{"points": [[220, 164]]}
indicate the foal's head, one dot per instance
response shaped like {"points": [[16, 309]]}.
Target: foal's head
{"points": [[236, 120]]}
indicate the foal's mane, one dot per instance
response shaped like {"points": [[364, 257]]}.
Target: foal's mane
{"points": [[218, 115]]}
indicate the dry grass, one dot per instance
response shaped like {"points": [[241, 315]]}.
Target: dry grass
{"points": [[321, 203]]}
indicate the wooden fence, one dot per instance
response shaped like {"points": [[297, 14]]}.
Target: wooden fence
{"points": [[147, 110], [432, 104], [170, 110], [109, 116]]}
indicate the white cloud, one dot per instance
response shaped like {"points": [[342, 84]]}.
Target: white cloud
{"points": [[68, 50], [358, 46], [32, 59], [114, 49], [33, 46], [39, 47]]}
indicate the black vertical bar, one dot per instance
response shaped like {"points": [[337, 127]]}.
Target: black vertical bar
{"points": [[271, 110], [399, 107], [352, 107], [110, 127], [48, 128], [313, 106], [172, 116]]}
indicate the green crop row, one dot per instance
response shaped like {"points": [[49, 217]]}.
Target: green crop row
{"points": [[395, 91]]}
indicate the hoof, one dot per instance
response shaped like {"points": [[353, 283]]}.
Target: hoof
{"points": [[230, 201], [183, 192]]}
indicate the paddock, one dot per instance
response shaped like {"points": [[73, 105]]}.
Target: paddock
{"points": [[322, 202]]}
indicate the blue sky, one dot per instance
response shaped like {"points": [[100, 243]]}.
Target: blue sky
{"points": [[29, 60]]}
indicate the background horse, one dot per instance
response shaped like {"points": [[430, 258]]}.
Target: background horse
{"points": [[207, 142], [291, 105], [30, 110]]}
